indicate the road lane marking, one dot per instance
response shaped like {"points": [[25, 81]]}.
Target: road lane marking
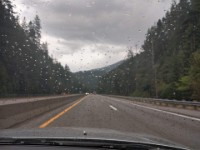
{"points": [[167, 112], [112, 107], [60, 114], [163, 111]]}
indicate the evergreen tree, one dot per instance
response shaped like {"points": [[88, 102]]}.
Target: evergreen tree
{"points": [[167, 66], [25, 66]]}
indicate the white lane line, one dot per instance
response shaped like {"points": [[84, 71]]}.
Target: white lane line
{"points": [[167, 112], [112, 107]]}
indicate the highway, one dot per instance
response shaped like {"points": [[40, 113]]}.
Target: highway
{"points": [[96, 111]]}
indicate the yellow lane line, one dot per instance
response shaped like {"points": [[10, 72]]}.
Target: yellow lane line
{"points": [[60, 114]]}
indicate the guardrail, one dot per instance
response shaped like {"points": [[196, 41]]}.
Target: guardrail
{"points": [[163, 102]]}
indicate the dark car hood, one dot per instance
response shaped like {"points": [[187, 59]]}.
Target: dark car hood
{"points": [[85, 133]]}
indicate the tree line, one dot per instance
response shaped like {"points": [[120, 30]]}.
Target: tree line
{"points": [[168, 65], [25, 65]]}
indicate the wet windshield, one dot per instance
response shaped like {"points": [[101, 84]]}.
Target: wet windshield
{"points": [[128, 66]]}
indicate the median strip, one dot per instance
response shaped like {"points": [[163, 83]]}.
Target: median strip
{"points": [[60, 114]]}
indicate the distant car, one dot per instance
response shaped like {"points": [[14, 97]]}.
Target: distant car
{"points": [[87, 93]]}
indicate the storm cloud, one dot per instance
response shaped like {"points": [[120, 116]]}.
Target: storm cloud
{"points": [[87, 34]]}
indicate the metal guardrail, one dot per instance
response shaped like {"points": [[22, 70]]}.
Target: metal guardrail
{"points": [[164, 102]]}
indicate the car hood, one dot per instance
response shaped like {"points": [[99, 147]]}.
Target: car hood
{"points": [[85, 133]]}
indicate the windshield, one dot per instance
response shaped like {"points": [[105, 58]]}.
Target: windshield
{"points": [[128, 66]]}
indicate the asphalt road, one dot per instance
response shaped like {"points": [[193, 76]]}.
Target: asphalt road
{"points": [[96, 111]]}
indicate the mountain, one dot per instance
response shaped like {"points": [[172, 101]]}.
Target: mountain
{"points": [[90, 78], [110, 67]]}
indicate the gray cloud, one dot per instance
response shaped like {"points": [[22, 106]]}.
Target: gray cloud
{"points": [[99, 20], [95, 24]]}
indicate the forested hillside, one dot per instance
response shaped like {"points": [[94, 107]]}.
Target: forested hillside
{"points": [[90, 78], [169, 64], [167, 67], [25, 65]]}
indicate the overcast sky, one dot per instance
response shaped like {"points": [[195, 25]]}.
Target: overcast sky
{"points": [[88, 34]]}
